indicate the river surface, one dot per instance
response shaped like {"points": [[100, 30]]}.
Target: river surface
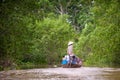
{"points": [[83, 73]]}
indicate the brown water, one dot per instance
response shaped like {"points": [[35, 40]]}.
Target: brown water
{"points": [[83, 73]]}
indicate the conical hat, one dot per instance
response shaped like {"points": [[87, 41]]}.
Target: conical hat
{"points": [[70, 43]]}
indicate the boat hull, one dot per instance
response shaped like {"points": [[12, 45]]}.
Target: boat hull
{"points": [[71, 66]]}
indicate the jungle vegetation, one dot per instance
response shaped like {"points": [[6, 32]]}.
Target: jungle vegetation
{"points": [[35, 33]]}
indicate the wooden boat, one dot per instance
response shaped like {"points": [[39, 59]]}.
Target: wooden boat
{"points": [[71, 65], [71, 62]]}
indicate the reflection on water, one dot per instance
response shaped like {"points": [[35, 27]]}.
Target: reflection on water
{"points": [[83, 73]]}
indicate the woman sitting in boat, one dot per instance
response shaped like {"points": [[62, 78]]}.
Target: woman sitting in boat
{"points": [[64, 60], [74, 60]]}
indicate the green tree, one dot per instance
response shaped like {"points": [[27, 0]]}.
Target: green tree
{"points": [[99, 45]]}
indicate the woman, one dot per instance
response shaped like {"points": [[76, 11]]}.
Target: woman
{"points": [[70, 49]]}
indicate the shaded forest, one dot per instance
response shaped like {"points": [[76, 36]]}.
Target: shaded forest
{"points": [[35, 33]]}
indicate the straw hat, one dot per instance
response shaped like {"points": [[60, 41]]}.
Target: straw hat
{"points": [[70, 43]]}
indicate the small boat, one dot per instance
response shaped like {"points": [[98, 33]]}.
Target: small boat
{"points": [[71, 62], [71, 65]]}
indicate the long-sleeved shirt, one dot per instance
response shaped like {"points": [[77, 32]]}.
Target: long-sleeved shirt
{"points": [[70, 50]]}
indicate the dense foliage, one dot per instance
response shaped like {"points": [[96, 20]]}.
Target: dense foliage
{"points": [[99, 42], [30, 37], [34, 33]]}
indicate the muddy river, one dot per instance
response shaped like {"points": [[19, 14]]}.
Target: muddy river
{"points": [[83, 73]]}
